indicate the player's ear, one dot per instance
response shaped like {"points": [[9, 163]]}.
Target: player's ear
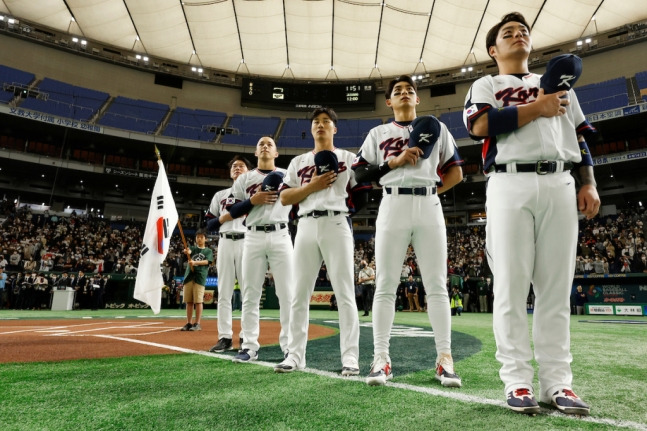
{"points": [[388, 103], [492, 51]]}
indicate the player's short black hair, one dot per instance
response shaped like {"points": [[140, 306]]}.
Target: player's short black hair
{"points": [[242, 159], [402, 78], [490, 39], [324, 110], [201, 232]]}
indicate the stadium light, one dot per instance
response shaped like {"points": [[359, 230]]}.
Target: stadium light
{"points": [[75, 39], [579, 43]]}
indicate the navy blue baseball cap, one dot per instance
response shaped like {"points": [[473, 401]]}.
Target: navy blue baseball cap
{"points": [[562, 72], [326, 161], [272, 182], [424, 132]]}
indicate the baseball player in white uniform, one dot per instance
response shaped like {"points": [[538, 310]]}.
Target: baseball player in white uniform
{"points": [[323, 234], [267, 240], [230, 253], [531, 140], [410, 212]]}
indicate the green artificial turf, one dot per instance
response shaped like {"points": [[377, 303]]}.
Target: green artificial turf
{"points": [[197, 392]]}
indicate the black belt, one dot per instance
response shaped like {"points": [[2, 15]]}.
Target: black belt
{"points": [[541, 167], [234, 236], [268, 227], [322, 213], [416, 191]]}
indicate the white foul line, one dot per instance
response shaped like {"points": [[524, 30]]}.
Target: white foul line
{"points": [[429, 391]]}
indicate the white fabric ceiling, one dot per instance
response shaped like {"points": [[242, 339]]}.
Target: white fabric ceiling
{"points": [[358, 38]]}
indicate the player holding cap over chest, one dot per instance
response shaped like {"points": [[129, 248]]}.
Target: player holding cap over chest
{"points": [[323, 185], [532, 129], [267, 241], [405, 157]]}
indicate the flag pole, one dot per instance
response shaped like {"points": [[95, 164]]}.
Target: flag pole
{"points": [[188, 255], [179, 225]]}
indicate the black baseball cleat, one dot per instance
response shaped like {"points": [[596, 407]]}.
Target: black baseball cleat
{"points": [[187, 327], [222, 345]]}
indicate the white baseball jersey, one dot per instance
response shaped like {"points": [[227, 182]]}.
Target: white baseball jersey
{"points": [[407, 219], [553, 138], [335, 198], [246, 186], [330, 239], [260, 249], [218, 207], [531, 232], [387, 141]]}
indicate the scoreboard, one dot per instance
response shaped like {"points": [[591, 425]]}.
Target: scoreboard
{"points": [[357, 96]]}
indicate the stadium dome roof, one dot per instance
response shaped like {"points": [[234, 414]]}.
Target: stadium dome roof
{"points": [[314, 39]]}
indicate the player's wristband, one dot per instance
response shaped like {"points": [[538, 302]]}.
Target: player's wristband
{"points": [[587, 160], [368, 173], [213, 225], [502, 120], [241, 208], [384, 168]]}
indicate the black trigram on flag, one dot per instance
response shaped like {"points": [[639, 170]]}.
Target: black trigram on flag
{"points": [[160, 202], [144, 250]]}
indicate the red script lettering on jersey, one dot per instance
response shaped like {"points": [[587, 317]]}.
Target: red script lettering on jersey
{"points": [[393, 147], [516, 96], [253, 189]]}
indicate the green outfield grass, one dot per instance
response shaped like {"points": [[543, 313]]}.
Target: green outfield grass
{"points": [[199, 392]]}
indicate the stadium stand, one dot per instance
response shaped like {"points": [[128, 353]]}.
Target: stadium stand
{"points": [[641, 79], [66, 100], [454, 122], [352, 132], [295, 134], [12, 77], [136, 115], [194, 124], [247, 130], [603, 96]]}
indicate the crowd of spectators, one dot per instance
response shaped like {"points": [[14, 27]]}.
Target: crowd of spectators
{"points": [[45, 244], [613, 244]]}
